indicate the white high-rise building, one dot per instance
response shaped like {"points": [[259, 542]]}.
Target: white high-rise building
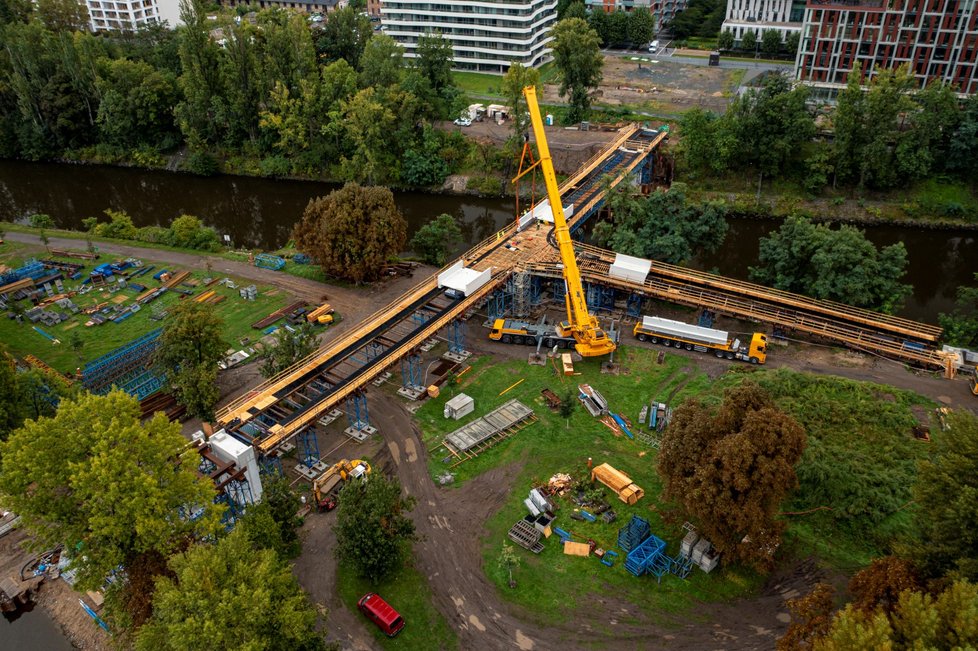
{"points": [[759, 15], [122, 15], [486, 36]]}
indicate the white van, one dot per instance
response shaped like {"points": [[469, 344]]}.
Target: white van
{"points": [[653, 46]]}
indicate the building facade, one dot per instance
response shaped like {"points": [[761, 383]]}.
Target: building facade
{"points": [[663, 10], [936, 39], [486, 36], [122, 15], [756, 16]]}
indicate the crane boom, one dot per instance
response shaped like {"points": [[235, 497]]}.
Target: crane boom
{"points": [[591, 340]]}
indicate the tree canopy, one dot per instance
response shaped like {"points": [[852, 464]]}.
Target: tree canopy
{"points": [[577, 56], [961, 325], [372, 527], [437, 239], [662, 226], [946, 511], [352, 232], [731, 469], [514, 81], [230, 595], [191, 345], [834, 264], [116, 492], [289, 347]]}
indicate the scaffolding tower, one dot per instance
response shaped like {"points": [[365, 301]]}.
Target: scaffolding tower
{"points": [[359, 417]]}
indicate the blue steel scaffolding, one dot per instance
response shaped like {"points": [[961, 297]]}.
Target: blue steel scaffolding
{"points": [[456, 336], [356, 411], [309, 447], [128, 367], [271, 466], [411, 377]]}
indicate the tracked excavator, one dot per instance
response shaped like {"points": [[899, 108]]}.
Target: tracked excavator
{"points": [[581, 329], [326, 484]]}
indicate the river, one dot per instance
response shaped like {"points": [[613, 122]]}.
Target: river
{"points": [[261, 212], [32, 630]]}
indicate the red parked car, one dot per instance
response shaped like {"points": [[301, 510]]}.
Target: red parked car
{"points": [[381, 613]]}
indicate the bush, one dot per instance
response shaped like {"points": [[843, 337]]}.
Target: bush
{"points": [[202, 163], [188, 232], [120, 226], [153, 234], [276, 166]]}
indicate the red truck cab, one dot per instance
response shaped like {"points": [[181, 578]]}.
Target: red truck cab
{"points": [[381, 613]]}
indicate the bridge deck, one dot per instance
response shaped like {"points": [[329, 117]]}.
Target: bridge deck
{"points": [[294, 399]]}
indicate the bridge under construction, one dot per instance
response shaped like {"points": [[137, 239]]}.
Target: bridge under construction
{"points": [[516, 265]]}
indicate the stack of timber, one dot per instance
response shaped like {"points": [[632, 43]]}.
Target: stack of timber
{"points": [[628, 492], [277, 314]]}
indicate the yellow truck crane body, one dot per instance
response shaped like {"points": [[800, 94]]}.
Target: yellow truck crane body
{"points": [[590, 340]]}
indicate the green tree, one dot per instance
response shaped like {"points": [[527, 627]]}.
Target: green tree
{"points": [[273, 523], [115, 491], [137, 104], [42, 221], [725, 41], [886, 100], [961, 325], [617, 28], [508, 561], [771, 124], [77, 343], [748, 42], [945, 512], [239, 596], [600, 22], [662, 226], [352, 232], [963, 152], [578, 59], [641, 26], [189, 232], [344, 36], [848, 121], [40, 391], [575, 9], [200, 79], [424, 165], [437, 239], [770, 41], [819, 167], [369, 123], [832, 264], [382, 63], [289, 348], [191, 345], [434, 62], [62, 16], [514, 81], [791, 42], [706, 143], [372, 527], [948, 620], [731, 470]]}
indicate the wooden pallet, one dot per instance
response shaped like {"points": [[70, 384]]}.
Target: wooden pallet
{"points": [[527, 536]]}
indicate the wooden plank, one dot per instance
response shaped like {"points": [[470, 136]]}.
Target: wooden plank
{"points": [[572, 548]]}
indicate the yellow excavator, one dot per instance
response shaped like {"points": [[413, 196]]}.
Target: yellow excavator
{"points": [[582, 327], [325, 484]]}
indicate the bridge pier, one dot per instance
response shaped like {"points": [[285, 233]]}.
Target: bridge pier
{"points": [[411, 377], [456, 342], [359, 417]]}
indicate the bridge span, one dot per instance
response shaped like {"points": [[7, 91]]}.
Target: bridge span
{"points": [[299, 396]]}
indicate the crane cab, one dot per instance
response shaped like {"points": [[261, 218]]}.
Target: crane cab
{"points": [[758, 348]]}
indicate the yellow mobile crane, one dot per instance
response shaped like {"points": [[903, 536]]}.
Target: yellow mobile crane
{"points": [[588, 337]]}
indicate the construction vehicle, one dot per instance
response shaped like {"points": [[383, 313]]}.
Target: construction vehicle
{"points": [[326, 484], [582, 327], [974, 380], [707, 340]]}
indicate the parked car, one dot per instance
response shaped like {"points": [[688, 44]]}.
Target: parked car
{"points": [[653, 46], [463, 122], [381, 613]]}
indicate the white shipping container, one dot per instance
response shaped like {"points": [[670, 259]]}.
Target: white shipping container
{"points": [[630, 268], [459, 406], [685, 330]]}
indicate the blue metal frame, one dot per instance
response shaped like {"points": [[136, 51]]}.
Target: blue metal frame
{"points": [[456, 336], [411, 371], [356, 410], [309, 454]]}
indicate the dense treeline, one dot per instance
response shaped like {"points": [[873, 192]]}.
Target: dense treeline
{"points": [[262, 93], [886, 137]]}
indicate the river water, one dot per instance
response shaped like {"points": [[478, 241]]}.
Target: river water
{"points": [[261, 212], [33, 630]]}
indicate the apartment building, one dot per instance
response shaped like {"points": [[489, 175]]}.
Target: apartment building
{"points": [[663, 10], [122, 15], [756, 16], [937, 39], [486, 35]]}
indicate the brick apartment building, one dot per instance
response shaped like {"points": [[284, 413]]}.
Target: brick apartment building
{"points": [[937, 39]]}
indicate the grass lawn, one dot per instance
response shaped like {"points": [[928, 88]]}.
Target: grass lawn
{"points": [[484, 84], [860, 461], [238, 315], [408, 592]]}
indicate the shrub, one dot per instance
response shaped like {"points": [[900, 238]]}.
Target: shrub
{"points": [[153, 234], [275, 166], [202, 163], [120, 226]]}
